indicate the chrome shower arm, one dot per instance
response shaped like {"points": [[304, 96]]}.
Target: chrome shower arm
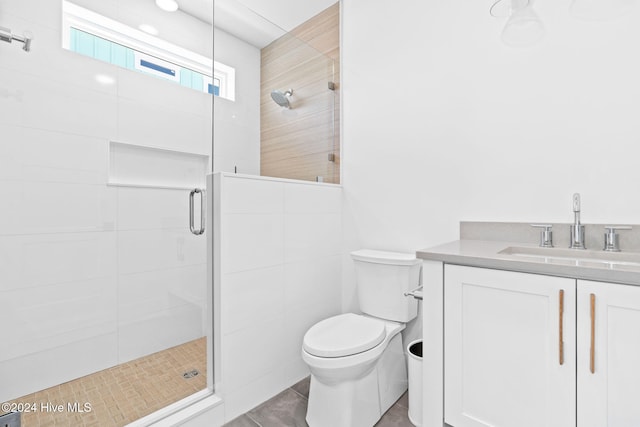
{"points": [[7, 36]]}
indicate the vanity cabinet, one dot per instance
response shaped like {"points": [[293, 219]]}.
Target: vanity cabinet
{"points": [[530, 350], [509, 349], [609, 375]]}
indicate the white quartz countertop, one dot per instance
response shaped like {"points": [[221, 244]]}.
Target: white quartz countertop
{"points": [[486, 254]]}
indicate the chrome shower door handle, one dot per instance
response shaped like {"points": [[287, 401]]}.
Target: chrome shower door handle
{"points": [[192, 220]]}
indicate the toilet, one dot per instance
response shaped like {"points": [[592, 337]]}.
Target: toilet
{"points": [[358, 367]]}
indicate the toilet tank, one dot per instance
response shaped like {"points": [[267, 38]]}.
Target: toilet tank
{"points": [[382, 278]]}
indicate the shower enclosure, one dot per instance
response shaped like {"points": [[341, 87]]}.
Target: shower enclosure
{"points": [[106, 124], [102, 283]]}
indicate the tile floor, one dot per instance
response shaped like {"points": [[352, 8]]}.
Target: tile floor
{"points": [[289, 408], [124, 393]]}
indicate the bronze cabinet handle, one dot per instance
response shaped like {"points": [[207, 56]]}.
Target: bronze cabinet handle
{"points": [[592, 355], [560, 327]]}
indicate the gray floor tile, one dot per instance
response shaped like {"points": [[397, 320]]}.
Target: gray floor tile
{"points": [[302, 387], [396, 416], [404, 400], [241, 421], [285, 409]]}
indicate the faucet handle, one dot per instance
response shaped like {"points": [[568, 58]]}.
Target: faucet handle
{"points": [[546, 235], [611, 237]]}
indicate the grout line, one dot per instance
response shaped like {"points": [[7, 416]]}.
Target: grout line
{"points": [[254, 421], [299, 394]]}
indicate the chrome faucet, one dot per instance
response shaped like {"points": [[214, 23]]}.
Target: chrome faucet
{"points": [[611, 237], [546, 235], [577, 229]]}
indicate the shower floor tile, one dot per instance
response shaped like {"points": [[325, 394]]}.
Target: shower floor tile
{"points": [[123, 393]]}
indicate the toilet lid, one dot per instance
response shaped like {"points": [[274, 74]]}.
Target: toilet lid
{"points": [[343, 335]]}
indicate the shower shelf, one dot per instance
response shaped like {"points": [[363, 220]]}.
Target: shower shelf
{"points": [[132, 165]]}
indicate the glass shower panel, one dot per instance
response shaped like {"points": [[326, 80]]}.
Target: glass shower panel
{"points": [[297, 141], [297, 137], [103, 282]]}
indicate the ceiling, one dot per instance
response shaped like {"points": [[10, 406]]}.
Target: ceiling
{"points": [[258, 22], [201, 9]]}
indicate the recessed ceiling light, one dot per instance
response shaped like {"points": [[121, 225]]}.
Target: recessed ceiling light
{"points": [[150, 29], [105, 79], [168, 5]]}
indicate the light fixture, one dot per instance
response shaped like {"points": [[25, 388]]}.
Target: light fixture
{"points": [[502, 9], [523, 28], [104, 79], [168, 5]]}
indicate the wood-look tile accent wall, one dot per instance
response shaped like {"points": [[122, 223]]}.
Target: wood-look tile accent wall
{"points": [[296, 143]]}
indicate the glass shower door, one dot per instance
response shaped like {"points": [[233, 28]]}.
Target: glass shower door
{"points": [[102, 281]]}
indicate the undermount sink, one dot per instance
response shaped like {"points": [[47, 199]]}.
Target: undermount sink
{"points": [[579, 258]]}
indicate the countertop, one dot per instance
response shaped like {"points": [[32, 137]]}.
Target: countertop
{"points": [[485, 254]]}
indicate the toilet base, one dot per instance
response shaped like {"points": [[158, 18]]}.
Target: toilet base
{"points": [[362, 401]]}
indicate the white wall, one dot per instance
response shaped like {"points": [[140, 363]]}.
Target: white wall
{"points": [[466, 128], [91, 275], [237, 123], [277, 273]]}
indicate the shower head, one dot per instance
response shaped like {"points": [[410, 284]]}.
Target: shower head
{"points": [[282, 99]]}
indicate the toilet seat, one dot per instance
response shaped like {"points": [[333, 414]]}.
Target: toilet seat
{"points": [[344, 335]]}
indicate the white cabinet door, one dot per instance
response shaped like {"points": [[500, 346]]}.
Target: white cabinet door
{"points": [[503, 363], [608, 394]]}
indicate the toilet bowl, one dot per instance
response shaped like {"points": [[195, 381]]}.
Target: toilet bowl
{"points": [[357, 364], [354, 383]]}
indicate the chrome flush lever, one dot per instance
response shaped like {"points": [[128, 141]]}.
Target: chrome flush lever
{"points": [[416, 293], [192, 227]]}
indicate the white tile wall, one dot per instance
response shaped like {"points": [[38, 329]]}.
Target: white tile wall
{"points": [[91, 275], [45, 259], [51, 207], [145, 294], [53, 316], [312, 235], [36, 11], [159, 331], [152, 208], [138, 87], [279, 273], [45, 156], [252, 352], [149, 250], [252, 296], [162, 125], [303, 198], [259, 390], [252, 196], [50, 367], [312, 280], [36, 101], [257, 241]]}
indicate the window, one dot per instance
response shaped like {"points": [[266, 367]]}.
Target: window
{"points": [[102, 38]]}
